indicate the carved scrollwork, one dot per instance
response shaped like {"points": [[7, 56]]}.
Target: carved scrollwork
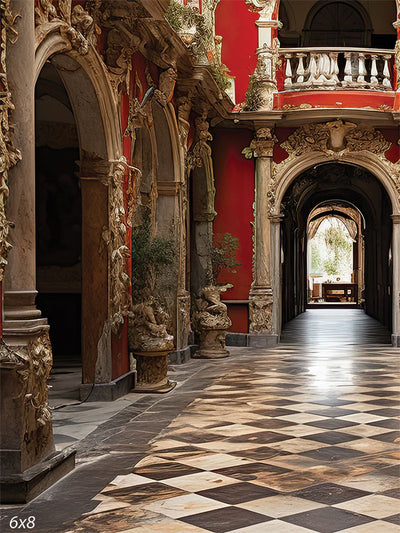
{"points": [[334, 139], [115, 239], [200, 150], [9, 155], [266, 6], [75, 24], [262, 145], [260, 313], [32, 364], [166, 86]]}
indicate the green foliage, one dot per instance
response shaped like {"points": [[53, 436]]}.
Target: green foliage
{"points": [[331, 266], [335, 238], [223, 254], [180, 16], [316, 263], [220, 73], [150, 257]]}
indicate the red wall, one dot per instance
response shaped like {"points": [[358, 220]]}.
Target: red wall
{"points": [[234, 182], [236, 24]]}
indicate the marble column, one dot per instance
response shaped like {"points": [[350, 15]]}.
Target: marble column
{"points": [[261, 331], [20, 314], [396, 280]]}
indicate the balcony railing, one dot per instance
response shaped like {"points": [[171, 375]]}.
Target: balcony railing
{"points": [[337, 68]]}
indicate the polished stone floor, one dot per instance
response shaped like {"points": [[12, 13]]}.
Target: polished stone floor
{"points": [[301, 438]]}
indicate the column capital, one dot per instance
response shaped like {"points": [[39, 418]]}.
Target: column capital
{"points": [[262, 145], [395, 218]]}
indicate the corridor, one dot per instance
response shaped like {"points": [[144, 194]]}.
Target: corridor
{"points": [[301, 438]]}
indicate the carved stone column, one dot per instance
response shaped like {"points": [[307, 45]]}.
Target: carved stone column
{"points": [[20, 275], [28, 461], [183, 304], [396, 280], [263, 84], [261, 331], [203, 193]]}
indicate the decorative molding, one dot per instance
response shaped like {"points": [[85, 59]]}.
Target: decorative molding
{"points": [[75, 25], [32, 364], [397, 63], [264, 7], [200, 150], [166, 86], [334, 140], [115, 238], [184, 106], [199, 156], [262, 84], [9, 155], [262, 145], [260, 310]]}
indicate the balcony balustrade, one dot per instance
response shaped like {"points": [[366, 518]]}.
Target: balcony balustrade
{"points": [[337, 68]]}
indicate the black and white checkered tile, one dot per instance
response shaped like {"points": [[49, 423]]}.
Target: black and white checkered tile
{"points": [[294, 440]]}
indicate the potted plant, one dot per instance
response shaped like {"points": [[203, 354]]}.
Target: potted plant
{"points": [[211, 320], [148, 337]]}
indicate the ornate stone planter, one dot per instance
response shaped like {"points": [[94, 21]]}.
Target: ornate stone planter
{"points": [[152, 368], [151, 344], [211, 322]]}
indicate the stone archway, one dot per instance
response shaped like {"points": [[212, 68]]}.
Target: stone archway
{"points": [[315, 144], [102, 171]]}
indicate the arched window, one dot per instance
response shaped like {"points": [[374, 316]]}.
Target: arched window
{"points": [[337, 24]]}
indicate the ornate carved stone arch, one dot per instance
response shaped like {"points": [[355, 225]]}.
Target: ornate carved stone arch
{"points": [[105, 289], [387, 173]]}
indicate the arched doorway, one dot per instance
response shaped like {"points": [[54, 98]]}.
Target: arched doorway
{"points": [[332, 23], [335, 254], [338, 184], [58, 217], [85, 178]]}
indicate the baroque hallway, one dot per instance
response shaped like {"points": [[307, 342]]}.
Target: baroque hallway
{"points": [[300, 438]]}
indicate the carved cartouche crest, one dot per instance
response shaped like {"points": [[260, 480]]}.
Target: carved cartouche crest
{"points": [[262, 145]]}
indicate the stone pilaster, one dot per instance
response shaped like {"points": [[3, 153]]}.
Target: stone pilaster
{"points": [[396, 280], [261, 293]]}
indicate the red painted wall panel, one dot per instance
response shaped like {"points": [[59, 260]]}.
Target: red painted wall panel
{"points": [[239, 315], [236, 24], [234, 182]]}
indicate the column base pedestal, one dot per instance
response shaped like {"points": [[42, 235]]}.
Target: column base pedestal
{"points": [[261, 340], [210, 354], [21, 488], [396, 339], [152, 368]]}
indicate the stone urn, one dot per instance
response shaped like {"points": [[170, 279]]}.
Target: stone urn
{"points": [[150, 343], [211, 321]]}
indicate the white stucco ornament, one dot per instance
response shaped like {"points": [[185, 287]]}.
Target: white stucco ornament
{"points": [[264, 7]]}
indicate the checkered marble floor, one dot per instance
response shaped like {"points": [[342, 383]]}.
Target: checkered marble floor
{"points": [[302, 438]]}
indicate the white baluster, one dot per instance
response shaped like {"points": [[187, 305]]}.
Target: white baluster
{"points": [[334, 68], [386, 72], [288, 72], [300, 69], [322, 70], [362, 71], [348, 73], [374, 82], [312, 67]]}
